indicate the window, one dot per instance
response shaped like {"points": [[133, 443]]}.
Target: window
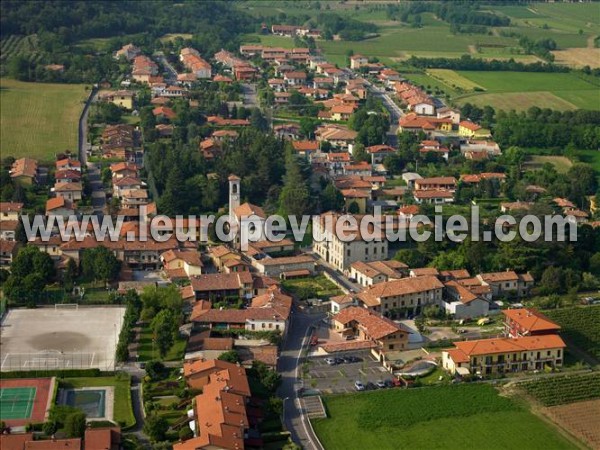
{"points": [[277, 327], [270, 325], [348, 253], [263, 325], [558, 353], [548, 353], [538, 355], [391, 346]]}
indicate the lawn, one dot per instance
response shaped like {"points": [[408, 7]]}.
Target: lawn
{"points": [[560, 163], [149, 352], [123, 412], [450, 417], [312, 287], [39, 119], [521, 90]]}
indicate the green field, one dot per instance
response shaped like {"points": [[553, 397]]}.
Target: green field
{"points": [[561, 163], [450, 417], [268, 40], [564, 389], [123, 412], [453, 79], [520, 90], [591, 157], [39, 119]]}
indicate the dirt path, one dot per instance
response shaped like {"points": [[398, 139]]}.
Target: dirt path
{"points": [[473, 49], [590, 41]]}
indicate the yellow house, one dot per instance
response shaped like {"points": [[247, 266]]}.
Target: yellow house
{"points": [[492, 356], [467, 128], [124, 99], [357, 196]]}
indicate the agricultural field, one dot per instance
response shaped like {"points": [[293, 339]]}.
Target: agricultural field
{"points": [[580, 419], [454, 79], [560, 163], [172, 36], [39, 119], [560, 390], [20, 45], [581, 326], [268, 40], [591, 157], [521, 90], [433, 418]]}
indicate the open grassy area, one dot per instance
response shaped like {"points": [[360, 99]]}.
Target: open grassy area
{"points": [[560, 163], [38, 119], [312, 287], [148, 352], [123, 412], [453, 79], [521, 90], [450, 417], [268, 40]]}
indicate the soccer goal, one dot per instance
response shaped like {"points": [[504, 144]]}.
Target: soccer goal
{"points": [[59, 306]]}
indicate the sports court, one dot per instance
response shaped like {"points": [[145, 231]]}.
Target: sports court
{"points": [[25, 400], [62, 337]]}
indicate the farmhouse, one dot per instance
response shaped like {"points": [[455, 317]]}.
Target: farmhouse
{"points": [[507, 283], [24, 171]]}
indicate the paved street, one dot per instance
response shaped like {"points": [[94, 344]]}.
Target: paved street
{"points": [[249, 95], [170, 72], [295, 421]]}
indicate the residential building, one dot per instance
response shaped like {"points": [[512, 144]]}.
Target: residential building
{"points": [[406, 296], [436, 183], [69, 191], [275, 267], [24, 171], [357, 61], [508, 283], [354, 246], [123, 99], [10, 211], [129, 52], [373, 272], [434, 196], [218, 286], [527, 322], [192, 61], [462, 303], [386, 335], [182, 263], [59, 206], [503, 355], [8, 252]]}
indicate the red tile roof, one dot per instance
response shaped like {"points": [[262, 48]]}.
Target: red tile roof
{"points": [[530, 320], [376, 326]]}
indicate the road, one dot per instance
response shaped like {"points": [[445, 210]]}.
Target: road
{"points": [[169, 69], [136, 402], [288, 366], [249, 95], [395, 112], [98, 196]]}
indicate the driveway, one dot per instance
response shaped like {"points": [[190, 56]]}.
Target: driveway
{"points": [[249, 95]]}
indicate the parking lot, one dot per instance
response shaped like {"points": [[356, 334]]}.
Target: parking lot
{"points": [[340, 378]]}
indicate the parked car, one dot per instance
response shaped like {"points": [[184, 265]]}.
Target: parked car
{"points": [[331, 361], [389, 383], [359, 386], [370, 386], [380, 384], [314, 340], [339, 360], [351, 359]]}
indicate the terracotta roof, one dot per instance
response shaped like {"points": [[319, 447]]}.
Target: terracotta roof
{"points": [[55, 444], [469, 125], [457, 274], [424, 271], [404, 286], [380, 149], [484, 347], [287, 260], [57, 202], [377, 327], [464, 295], [68, 187], [248, 209], [374, 268], [7, 246], [434, 193], [220, 281], [275, 299], [305, 146], [530, 320], [497, 277], [102, 438], [6, 207], [355, 193], [435, 181], [14, 441]]}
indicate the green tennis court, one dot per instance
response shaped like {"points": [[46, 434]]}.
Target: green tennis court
{"points": [[16, 403]]}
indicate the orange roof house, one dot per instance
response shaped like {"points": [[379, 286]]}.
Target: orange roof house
{"points": [[527, 322]]}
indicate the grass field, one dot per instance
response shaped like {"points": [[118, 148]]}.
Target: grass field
{"points": [[560, 163], [147, 351], [173, 36], [453, 79], [450, 417], [123, 412], [520, 90], [39, 119], [268, 40], [312, 287]]}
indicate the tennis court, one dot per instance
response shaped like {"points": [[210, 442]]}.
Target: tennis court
{"points": [[25, 400], [17, 403]]}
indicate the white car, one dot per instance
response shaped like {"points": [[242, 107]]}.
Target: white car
{"points": [[359, 386], [330, 361]]}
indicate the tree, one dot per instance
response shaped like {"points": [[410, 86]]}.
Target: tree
{"points": [[31, 260], [595, 264], [156, 427], [258, 121], [294, 197], [100, 263], [75, 425], [360, 154], [164, 328], [231, 356], [353, 207], [331, 198]]}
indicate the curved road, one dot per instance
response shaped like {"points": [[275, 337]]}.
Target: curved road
{"points": [[288, 366]]}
